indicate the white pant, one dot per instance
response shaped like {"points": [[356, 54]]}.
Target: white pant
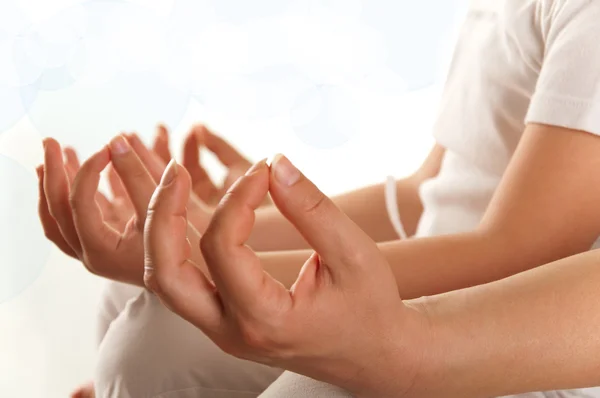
{"points": [[146, 351]]}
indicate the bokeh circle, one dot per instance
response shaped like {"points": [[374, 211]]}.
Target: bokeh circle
{"points": [[23, 248], [325, 116]]}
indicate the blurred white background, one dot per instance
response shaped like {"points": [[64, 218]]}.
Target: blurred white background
{"points": [[346, 88]]}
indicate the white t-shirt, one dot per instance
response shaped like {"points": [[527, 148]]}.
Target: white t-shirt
{"points": [[516, 61]]}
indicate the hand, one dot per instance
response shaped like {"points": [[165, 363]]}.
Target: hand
{"points": [[73, 217], [341, 322], [204, 193], [116, 212], [53, 196], [199, 213], [202, 185]]}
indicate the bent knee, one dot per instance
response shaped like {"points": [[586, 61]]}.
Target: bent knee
{"points": [[151, 352]]}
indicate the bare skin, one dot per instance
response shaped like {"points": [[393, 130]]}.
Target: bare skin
{"points": [[528, 215], [500, 338], [521, 205], [119, 211]]}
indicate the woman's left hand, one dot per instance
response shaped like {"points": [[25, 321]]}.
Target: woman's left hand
{"points": [[342, 321]]}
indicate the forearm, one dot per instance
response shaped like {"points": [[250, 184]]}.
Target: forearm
{"points": [[428, 266], [365, 206], [535, 331]]}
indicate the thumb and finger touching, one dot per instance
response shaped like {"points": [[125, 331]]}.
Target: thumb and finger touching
{"points": [[340, 243]]}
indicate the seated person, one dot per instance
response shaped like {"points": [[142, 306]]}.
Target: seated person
{"points": [[506, 188]]}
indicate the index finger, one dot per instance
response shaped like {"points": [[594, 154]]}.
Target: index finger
{"points": [[88, 218], [235, 269]]}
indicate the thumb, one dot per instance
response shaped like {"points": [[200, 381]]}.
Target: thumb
{"points": [[168, 271], [331, 233]]}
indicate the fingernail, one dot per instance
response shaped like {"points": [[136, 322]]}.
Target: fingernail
{"points": [[169, 174], [256, 166], [284, 171], [119, 145]]}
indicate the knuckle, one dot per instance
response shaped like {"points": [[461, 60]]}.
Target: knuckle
{"points": [[151, 281], [358, 256], [55, 210], [253, 336], [132, 174], [155, 278], [314, 202], [138, 172], [208, 244], [74, 199]]}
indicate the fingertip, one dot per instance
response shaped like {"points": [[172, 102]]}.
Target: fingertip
{"points": [[119, 145], [175, 182], [68, 152], [52, 149], [271, 159], [71, 158], [95, 163], [200, 129], [134, 140], [49, 141], [258, 167], [170, 173], [191, 140], [162, 132], [283, 171]]}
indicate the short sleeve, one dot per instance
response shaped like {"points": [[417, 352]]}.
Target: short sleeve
{"points": [[567, 93]]}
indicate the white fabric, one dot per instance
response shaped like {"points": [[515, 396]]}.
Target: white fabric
{"points": [[293, 385], [516, 62], [150, 352]]}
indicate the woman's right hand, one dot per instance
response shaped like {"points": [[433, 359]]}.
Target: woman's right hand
{"points": [[73, 217]]}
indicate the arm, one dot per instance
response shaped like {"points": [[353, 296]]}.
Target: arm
{"points": [[365, 206], [533, 331], [544, 209], [536, 331]]}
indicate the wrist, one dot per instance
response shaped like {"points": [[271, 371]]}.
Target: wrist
{"points": [[398, 365], [448, 352], [430, 357], [417, 338]]}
